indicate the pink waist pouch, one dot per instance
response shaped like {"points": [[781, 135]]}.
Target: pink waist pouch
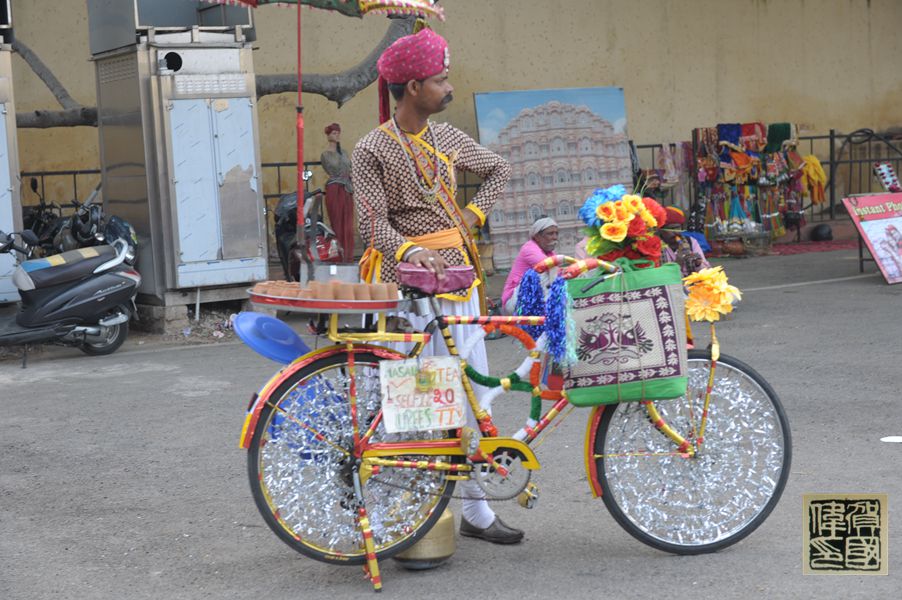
{"points": [[421, 278]]}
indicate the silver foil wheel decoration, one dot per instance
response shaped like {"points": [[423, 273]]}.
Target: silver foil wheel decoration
{"points": [[308, 482], [710, 497]]}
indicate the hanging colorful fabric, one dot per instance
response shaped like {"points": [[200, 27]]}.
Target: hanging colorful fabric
{"points": [[814, 178], [754, 136], [730, 133], [777, 133], [630, 333]]}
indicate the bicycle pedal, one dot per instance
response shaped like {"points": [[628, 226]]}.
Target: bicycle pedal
{"points": [[529, 497]]}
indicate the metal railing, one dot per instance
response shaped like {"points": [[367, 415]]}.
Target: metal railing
{"points": [[847, 159], [60, 187], [852, 161]]}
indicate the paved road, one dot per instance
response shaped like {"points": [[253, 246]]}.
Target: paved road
{"points": [[121, 476]]}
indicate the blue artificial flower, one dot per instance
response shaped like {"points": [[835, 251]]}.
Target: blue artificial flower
{"points": [[599, 196]]}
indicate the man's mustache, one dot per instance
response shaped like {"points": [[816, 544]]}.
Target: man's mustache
{"points": [[447, 99]]}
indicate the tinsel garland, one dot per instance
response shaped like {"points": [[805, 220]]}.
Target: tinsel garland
{"points": [[559, 328], [531, 301], [517, 384]]}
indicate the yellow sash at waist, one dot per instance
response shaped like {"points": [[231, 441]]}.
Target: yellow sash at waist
{"points": [[446, 238]]}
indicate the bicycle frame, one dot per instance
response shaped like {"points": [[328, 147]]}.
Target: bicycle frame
{"points": [[375, 456]]}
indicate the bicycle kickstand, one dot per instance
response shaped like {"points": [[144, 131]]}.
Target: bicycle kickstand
{"points": [[371, 568]]}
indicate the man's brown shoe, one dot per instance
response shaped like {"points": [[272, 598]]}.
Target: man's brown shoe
{"points": [[497, 533]]}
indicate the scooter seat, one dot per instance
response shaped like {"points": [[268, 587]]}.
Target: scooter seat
{"points": [[75, 264]]}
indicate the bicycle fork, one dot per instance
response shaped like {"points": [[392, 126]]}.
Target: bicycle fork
{"points": [[687, 448], [371, 568]]}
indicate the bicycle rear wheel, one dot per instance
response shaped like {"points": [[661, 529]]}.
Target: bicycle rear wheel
{"points": [[301, 467], [710, 501]]}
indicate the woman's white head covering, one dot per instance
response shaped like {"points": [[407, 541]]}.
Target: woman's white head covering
{"points": [[541, 225]]}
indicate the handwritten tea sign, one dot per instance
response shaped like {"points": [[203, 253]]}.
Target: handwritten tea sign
{"points": [[422, 394]]}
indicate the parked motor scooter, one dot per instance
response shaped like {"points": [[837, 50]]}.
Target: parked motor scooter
{"points": [[82, 298], [88, 226], [83, 227], [44, 220], [322, 243]]}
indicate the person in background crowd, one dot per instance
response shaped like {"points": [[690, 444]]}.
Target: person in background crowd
{"points": [[339, 200], [541, 244], [404, 183], [679, 248]]}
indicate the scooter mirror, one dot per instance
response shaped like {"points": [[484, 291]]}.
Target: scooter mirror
{"points": [[34, 185], [307, 175], [30, 238]]}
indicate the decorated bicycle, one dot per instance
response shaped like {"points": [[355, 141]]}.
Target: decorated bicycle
{"points": [[354, 449]]}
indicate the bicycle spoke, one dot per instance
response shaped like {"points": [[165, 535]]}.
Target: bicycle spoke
{"points": [[316, 434], [681, 503]]}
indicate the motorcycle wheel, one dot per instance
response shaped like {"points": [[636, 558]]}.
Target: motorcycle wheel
{"points": [[110, 342]]}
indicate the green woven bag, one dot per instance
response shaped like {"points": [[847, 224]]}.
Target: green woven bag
{"points": [[630, 336]]}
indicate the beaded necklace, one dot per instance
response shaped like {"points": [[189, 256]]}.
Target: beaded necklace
{"points": [[428, 194]]}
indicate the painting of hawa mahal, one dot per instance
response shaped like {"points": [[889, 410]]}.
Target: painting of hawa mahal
{"points": [[561, 144]]}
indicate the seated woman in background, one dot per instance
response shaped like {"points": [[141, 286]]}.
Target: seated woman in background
{"points": [[679, 248], [543, 239]]}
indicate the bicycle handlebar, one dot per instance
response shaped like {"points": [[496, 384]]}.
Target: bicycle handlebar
{"points": [[553, 261], [574, 267]]}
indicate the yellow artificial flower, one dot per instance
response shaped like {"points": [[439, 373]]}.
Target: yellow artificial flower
{"points": [[622, 212], [703, 307], [633, 203], [605, 211], [728, 291], [710, 295], [705, 275], [649, 218], [614, 232]]}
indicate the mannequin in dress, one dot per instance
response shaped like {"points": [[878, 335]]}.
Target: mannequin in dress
{"points": [[339, 200]]}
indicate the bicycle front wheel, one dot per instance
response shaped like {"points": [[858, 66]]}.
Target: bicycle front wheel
{"points": [[716, 498], [301, 466]]}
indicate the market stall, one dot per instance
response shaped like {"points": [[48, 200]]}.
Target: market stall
{"points": [[752, 184]]}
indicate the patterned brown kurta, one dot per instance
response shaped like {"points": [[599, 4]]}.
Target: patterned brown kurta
{"points": [[390, 202]]}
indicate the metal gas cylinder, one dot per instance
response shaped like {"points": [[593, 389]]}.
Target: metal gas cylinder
{"points": [[434, 548]]}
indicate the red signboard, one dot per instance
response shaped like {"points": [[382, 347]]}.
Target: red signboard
{"points": [[878, 218]]}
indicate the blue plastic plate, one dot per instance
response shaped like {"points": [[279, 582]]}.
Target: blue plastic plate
{"points": [[269, 337]]}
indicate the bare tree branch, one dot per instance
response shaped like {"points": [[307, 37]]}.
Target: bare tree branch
{"points": [[337, 87], [84, 116], [46, 75]]}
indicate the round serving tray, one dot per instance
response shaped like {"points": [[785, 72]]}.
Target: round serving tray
{"points": [[308, 305]]}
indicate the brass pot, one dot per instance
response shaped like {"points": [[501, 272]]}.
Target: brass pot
{"points": [[434, 548]]}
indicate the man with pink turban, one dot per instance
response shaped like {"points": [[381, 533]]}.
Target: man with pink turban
{"points": [[405, 192]]}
